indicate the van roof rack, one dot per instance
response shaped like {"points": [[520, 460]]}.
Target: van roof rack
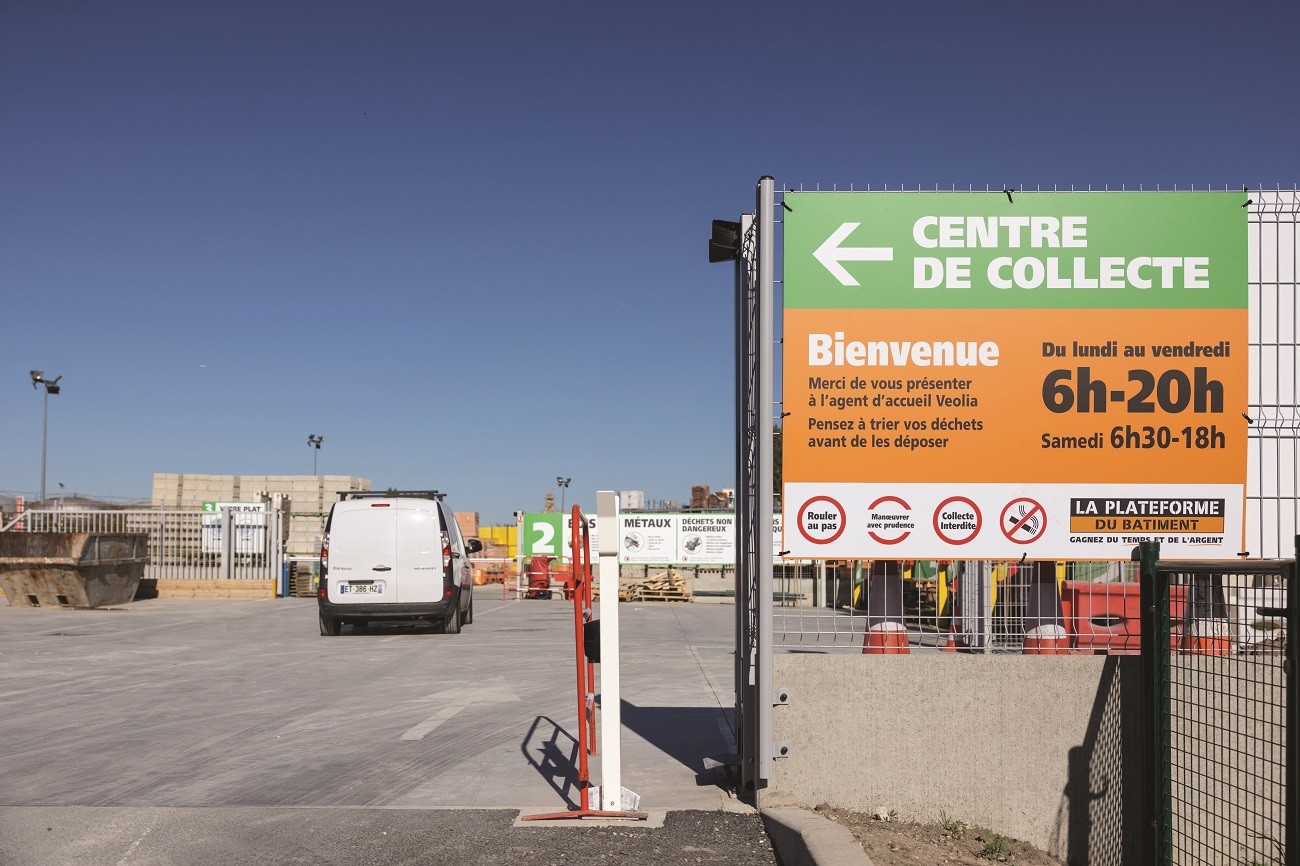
{"points": [[391, 494]]}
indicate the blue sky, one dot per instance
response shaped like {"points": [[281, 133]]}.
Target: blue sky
{"points": [[466, 242]]}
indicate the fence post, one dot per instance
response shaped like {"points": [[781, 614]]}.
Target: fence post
{"points": [[227, 566], [1154, 597], [1292, 662]]}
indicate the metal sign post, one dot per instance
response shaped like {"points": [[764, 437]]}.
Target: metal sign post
{"points": [[754, 500], [611, 701]]}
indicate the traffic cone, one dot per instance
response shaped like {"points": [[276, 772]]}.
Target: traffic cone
{"points": [[1047, 640], [1205, 619], [887, 638], [886, 634], [1044, 633], [885, 631]]}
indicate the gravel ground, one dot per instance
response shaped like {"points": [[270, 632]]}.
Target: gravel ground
{"points": [[83, 836], [722, 838], [903, 843]]}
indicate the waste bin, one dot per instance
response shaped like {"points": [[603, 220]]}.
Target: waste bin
{"points": [[71, 569]]}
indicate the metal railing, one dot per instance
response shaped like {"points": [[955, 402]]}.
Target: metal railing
{"points": [[183, 545], [1221, 715]]}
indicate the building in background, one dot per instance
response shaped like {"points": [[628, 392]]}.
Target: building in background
{"points": [[631, 500], [703, 498]]}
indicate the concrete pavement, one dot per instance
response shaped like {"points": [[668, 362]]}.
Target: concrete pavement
{"points": [[227, 705]]}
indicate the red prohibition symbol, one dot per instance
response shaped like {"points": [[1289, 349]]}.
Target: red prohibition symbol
{"points": [[829, 519], [952, 534], [882, 500], [1023, 520]]}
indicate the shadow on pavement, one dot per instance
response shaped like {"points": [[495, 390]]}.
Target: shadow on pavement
{"points": [[553, 752], [687, 734]]}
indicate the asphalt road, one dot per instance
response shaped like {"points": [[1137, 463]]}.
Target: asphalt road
{"points": [[231, 731]]}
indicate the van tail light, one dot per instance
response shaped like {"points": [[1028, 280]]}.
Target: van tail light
{"points": [[323, 592], [324, 558], [447, 578]]}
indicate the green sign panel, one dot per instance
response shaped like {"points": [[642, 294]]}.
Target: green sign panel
{"points": [[543, 535], [1024, 251]]}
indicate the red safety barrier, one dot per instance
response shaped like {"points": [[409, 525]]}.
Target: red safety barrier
{"points": [[1104, 616], [584, 626], [1107, 617]]}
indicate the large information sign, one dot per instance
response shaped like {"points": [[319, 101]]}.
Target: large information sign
{"points": [[647, 538], [1051, 375], [248, 521]]}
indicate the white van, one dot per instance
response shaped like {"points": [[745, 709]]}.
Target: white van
{"points": [[394, 555]]}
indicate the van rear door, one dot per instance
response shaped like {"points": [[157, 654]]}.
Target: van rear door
{"points": [[419, 551], [363, 553]]}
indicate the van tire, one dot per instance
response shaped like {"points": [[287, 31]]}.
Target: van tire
{"points": [[329, 626], [452, 625], [469, 611]]}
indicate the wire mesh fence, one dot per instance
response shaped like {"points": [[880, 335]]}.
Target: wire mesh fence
{"points": [[1223, 713], [1032, 607]]}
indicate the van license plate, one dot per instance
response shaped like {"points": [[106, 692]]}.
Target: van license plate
{"points": [[363, 588]]}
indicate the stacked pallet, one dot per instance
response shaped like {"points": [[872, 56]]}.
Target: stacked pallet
{"points": [[303, 584], [668, 587]]}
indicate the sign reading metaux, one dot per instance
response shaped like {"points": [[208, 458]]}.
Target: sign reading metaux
{"points": [[1052, 375]]}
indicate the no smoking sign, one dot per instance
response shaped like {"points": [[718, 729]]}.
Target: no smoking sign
{"points": [[1024, 520], [821, 520]]}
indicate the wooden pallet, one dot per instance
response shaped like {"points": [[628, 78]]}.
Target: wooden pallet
{"points": [[664, 595], [302, 585], [668, 587]]}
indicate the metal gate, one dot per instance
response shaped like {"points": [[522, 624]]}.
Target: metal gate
{"points": [[1219, 662], [225, 544]]}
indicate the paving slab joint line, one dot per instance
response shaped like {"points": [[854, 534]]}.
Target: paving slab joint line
{"points": [[804, 838]]}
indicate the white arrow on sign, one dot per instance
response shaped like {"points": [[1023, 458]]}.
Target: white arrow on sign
{"points": [[495, 691], [830, 254]]}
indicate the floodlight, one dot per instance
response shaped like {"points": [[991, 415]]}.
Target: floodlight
{"points": [[724, 245]]}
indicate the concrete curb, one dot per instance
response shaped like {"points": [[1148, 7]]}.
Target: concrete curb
{"points": [[803, 838]]}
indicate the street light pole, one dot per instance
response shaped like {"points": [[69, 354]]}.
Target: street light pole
{"points": [[564, 485], [51, 387], [314, 440]]}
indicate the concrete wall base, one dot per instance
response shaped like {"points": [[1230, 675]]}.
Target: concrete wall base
{"points": [[1042, 748], [215, 588]]}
